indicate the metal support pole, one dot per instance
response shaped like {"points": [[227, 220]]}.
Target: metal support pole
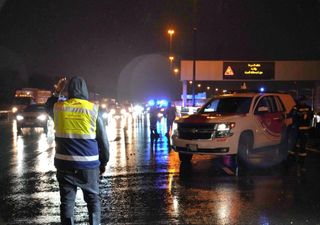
{"points": [[194, 53]]}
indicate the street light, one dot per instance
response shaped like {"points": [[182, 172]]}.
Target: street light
{"points": [[176, 70], [194, 40], [170, 32], [171, 58]]}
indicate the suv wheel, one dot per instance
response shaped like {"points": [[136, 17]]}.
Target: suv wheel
{"points": [[185, 158], [244, 148]]}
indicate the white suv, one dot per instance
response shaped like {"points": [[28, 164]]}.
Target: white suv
{"points": [[234, 124]]}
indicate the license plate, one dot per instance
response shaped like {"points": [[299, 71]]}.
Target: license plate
{"points": [[193, 147]]}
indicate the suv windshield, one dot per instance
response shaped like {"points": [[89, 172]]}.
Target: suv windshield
{"points": [[22, 100], [35, 108], [225, 105]]}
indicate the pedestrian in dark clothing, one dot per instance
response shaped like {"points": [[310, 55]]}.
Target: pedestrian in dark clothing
{"points": [[301, 125], [171, 115], [82, 148], [153, 116]]}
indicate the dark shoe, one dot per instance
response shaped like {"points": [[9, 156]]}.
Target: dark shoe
{"points": [[67, 221], [94, 219]]}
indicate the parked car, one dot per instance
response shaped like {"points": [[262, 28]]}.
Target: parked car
{"points": [[235, 124], [33, 116]]}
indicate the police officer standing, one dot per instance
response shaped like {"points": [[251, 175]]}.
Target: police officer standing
{"points": [[171, 115], [82, 148], [302, 120], [153, 118]]}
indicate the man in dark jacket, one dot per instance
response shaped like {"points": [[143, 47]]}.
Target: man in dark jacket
{"points": [[302, 115], [82, 148], [171, 115]]}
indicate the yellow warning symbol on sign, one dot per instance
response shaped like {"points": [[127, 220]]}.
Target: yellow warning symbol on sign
{"points": [[229, 71]]}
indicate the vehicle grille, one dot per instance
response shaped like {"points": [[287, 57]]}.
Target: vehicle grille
{"points": [[30, 118], [196, 131]]}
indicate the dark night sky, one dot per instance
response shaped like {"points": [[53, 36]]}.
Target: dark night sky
{"points": [[100, 39]]}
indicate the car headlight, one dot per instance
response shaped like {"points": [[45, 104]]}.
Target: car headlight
{"points": [[112, 111], [104, 115], [42, 117], [138, 109], [19, 117], [223, 130], [14, 109], [123, 111]]}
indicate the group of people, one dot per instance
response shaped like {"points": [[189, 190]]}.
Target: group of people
{"points": [[82, 148], [169, 113]]}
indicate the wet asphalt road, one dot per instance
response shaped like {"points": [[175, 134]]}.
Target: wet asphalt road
{"points": [[145, 184]]}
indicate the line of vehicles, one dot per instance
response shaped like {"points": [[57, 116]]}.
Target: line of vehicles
{"points": [[229, 124], [29, 109]]}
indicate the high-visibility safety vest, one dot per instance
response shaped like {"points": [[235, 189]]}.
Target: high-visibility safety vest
{"points": [[75, 131]]}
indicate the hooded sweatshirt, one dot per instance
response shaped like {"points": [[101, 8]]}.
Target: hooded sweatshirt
{"points": [[78, 153]]}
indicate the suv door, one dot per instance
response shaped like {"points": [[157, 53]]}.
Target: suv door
{"points": [[269, 121]]}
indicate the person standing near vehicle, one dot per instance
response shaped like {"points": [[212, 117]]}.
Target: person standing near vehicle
{"points": [[82, 148], [302, 119], [171, 115], [153, 118]]}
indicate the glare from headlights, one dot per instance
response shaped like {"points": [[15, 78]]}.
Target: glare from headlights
{"points": [[112, 111], [225, 126], [123, 111], [19, 117], [14, 109], [138, 109], [42, 117], [222, 127], [223, 130], [104, 115]]}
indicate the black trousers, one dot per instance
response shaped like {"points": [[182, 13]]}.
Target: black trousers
{"points": [[88, 181], [302, 140]]}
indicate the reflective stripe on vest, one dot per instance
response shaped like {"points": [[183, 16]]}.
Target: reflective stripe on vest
{"points": [[75, 118], [77, 158], [303, 109], [304, 128]]}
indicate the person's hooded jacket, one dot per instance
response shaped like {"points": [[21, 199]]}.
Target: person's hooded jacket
{"points": [[88, 148]]}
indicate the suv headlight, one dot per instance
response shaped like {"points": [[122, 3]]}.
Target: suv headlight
{"points": [[42, 117], [223, 130], [19, 117]]}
